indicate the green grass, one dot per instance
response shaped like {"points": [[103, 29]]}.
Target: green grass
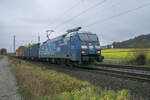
{"points": [[125, 50], [115, 50], [113, 61], [122, 53], [36, 83], [120, 56], [112, 55]]}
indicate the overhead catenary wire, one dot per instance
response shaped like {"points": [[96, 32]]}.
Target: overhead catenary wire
{"points": [[117, 15], [81, 13], [112, 6], [63, 14], [42, 30]]}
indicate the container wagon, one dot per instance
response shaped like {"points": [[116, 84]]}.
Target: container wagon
{"points": [[32, 51]]}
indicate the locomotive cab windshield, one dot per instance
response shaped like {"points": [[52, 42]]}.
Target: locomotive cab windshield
{"points": [[88, 37]]}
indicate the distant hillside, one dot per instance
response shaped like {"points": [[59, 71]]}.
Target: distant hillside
{"points": [[142, 41]]}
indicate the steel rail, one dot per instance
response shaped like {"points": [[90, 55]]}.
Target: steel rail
{"points": [[144, 68], [119, 73]]}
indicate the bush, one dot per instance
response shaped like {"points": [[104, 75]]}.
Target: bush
{"points": [[141, 59], [138, 58]]}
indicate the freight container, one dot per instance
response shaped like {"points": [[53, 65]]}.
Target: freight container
{"points": [[21, 51], [27, 52], [17, 53], [34, 50]]}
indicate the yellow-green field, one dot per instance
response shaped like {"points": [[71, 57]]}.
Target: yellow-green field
{"points": [[36, 83], [123, 54]]}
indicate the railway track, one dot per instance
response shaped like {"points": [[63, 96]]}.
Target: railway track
{"points": [[130, 72]]}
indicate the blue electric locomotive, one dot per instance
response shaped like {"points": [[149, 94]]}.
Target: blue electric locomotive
{"points": [[72, 47]]}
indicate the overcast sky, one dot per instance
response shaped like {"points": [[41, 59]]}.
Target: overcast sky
{"points": [[28, 18]]}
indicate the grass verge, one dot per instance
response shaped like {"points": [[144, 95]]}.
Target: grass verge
{"points": [[113, 61], [1, 57], [36, 83]]}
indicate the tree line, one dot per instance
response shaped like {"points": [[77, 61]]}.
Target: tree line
{"points": [[3, 51], [142, 41]]}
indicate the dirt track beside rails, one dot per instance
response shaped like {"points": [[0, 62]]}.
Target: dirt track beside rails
{"points": [[7, 82], [139, 89]]}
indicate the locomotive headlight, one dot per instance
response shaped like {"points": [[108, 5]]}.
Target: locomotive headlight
{"points": [[83, 52], [97, 47], [84, 47], [98, 52]]}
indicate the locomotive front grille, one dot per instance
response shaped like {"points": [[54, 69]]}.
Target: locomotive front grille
{"points": [[90, 57]]}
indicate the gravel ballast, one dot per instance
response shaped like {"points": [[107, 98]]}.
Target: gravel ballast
{"points": [[137, 88]]}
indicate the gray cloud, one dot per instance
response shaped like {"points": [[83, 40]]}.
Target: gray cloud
{"points": [[28, 18]]}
